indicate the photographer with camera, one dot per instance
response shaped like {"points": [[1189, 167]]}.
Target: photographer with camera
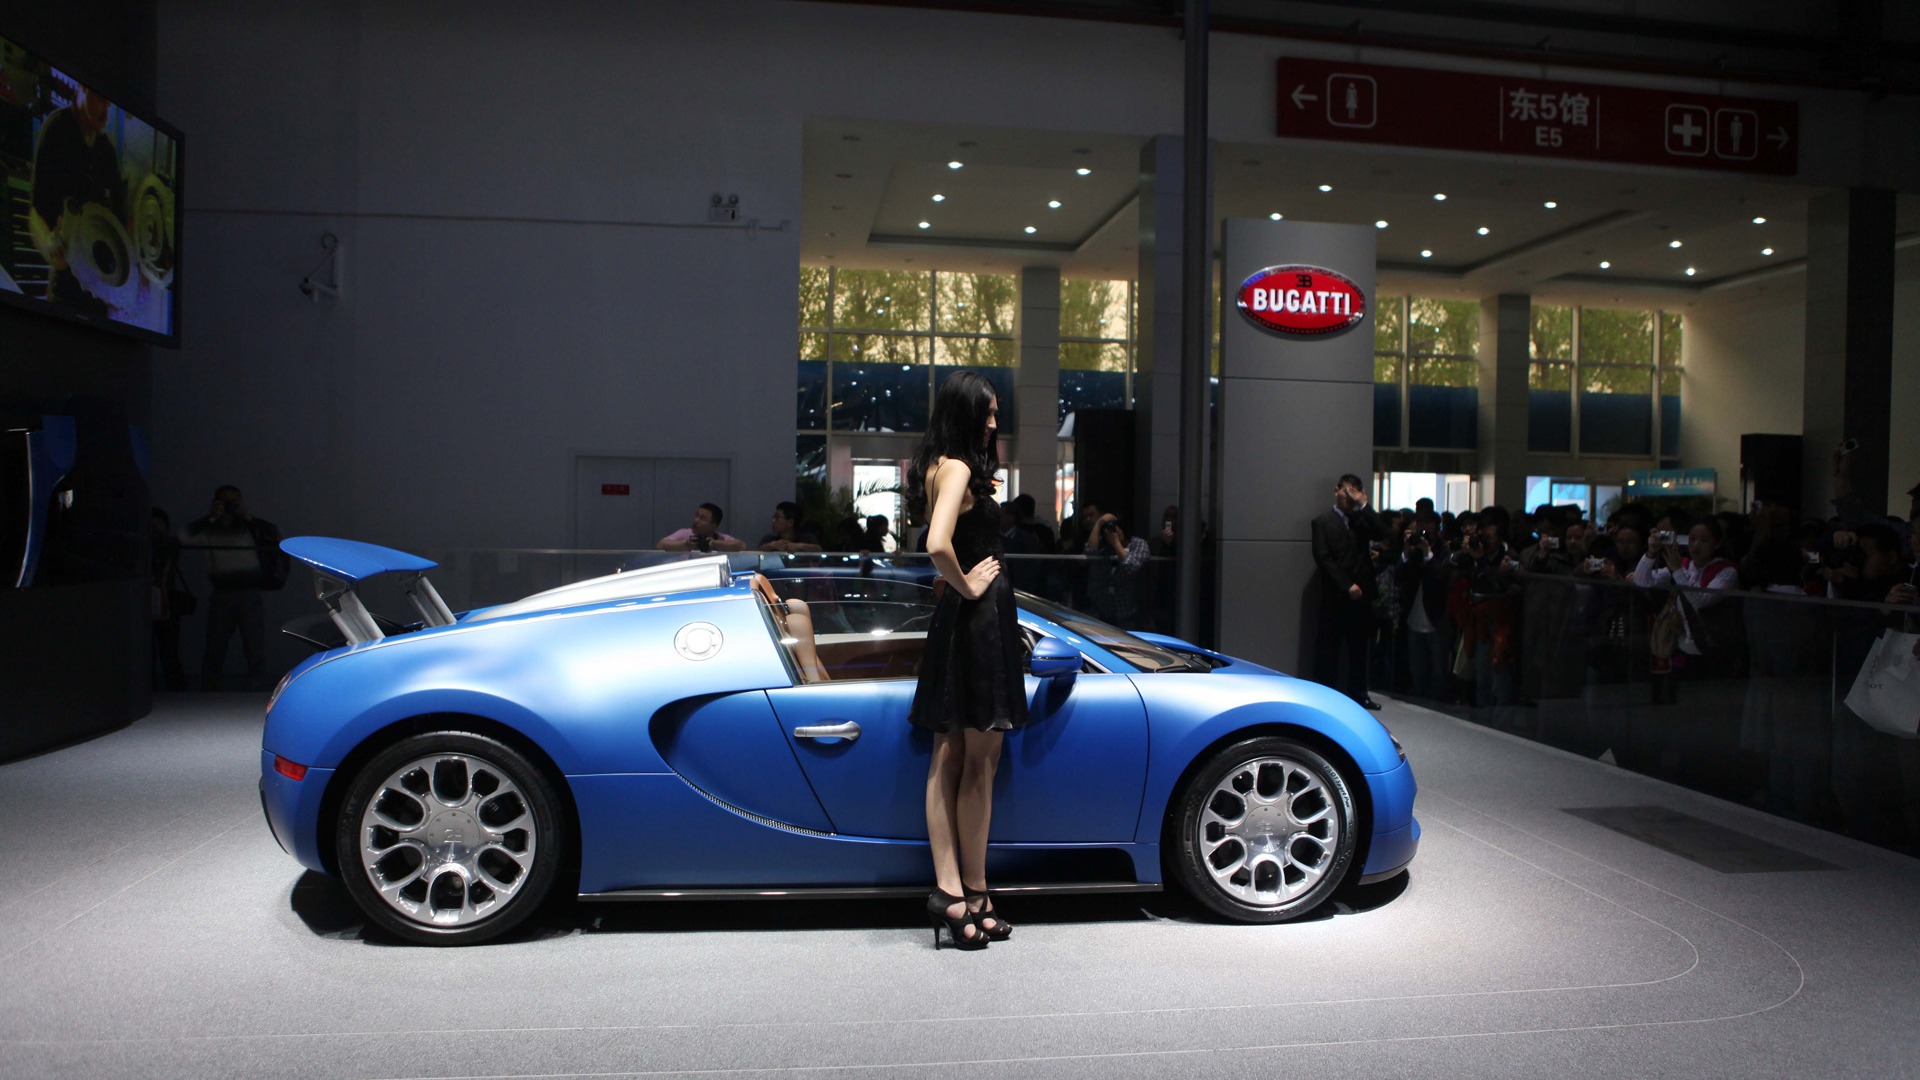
{"points": [[1425, 578], [1114, 563], [1342, 539], [703, 535]]}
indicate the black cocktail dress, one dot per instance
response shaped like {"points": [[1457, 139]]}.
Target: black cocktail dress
{"points": [[971, 672]]}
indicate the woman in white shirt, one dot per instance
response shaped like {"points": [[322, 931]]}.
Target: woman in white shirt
{"points": [[1663, 564]]}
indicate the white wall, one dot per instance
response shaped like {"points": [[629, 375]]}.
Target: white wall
{"points": [[480, 343], [1743, 356]]}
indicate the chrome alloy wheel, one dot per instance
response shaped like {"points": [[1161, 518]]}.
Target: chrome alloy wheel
{"points": [[1268, 831], [447, 839]]}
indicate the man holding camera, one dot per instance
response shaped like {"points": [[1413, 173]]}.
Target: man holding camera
{"points": [[1346, 540], [243, 559], [1423, 574], [1114, 562], [703, 535]]}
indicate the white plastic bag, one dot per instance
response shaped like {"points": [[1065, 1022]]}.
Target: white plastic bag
{"points": [[1886, 693]]}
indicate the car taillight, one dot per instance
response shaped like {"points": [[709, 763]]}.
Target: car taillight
{"points": [[290, 770]]}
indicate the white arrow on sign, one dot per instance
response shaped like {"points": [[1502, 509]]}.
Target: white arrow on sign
{"points": [[1778, 138], [1301, 97]]}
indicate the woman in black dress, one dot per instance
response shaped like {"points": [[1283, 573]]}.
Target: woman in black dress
{"points": [[971, 691]]}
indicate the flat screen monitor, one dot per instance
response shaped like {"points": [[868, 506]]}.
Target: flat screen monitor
{"points": [[92, 192]]}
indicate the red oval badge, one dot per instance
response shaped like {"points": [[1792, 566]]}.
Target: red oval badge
{"points": [[1305, 300]]}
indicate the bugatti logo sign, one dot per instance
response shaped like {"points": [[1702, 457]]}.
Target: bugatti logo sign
{"points": [[1304, 300]]}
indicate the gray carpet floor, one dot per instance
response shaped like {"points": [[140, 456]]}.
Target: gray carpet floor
{"points": [[150, 927]]}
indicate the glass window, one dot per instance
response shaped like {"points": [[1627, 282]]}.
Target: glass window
{"points": [[1550, 407], [975, 303], [1558, 377], [1615, 379], [1445, 371], [1447, 327], [1094, 309], [879, 382], [1386, 399], [1610, 336], [881, 300], [1552, 333], [1388, 320], [810, 409], [973, 352], [1670, 339], [810, 458], [815, 284], [1093, 356]]}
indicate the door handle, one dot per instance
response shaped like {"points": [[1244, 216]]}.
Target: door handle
{"points": [[848, 731]]}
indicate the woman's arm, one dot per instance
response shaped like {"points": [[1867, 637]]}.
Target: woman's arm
{"points": [[946, 489]]}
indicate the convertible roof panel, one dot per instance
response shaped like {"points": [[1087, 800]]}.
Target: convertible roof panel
{"points": [[694, 574], [350, 560]]}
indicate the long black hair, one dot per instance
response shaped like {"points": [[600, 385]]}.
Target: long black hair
{"points": [[957, 429]]}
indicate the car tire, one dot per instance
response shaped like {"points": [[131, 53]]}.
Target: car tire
{"points": [[449, 838], [1264, 831]]}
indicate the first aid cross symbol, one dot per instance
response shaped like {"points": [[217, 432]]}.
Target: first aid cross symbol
{"points": [[1687, 129]]}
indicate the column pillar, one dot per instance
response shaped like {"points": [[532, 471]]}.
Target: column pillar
{"points": [[1156, 380], [1037, 385], [1506, 323], [1295, 414], [1849, 365]]}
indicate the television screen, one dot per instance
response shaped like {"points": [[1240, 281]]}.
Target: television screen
{"points": [[92, 203]]}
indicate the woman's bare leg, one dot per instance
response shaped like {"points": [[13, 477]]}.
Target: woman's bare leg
{"points": [[975, 804], [800, 627], [943, 787]]}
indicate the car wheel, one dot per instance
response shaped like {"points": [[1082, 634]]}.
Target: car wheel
{"points": [[449, 838], [1264, 831]]}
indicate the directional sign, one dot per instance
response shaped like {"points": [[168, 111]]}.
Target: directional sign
{"points": [[1516, 114]]}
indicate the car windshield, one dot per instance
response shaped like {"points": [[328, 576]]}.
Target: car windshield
{"points": [[1139, 652]]}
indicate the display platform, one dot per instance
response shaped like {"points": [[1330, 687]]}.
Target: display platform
{"points": [[1564, 917]]}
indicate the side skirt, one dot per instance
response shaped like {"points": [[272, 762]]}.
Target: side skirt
{"points": [[865, 892]]}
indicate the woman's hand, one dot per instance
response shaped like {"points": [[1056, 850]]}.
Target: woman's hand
{"points": [[978, 578]]}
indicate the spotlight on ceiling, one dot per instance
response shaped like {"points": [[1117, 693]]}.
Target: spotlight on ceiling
{"points": [[1053, 204], [1483, 230], [1326, 187], [1605, 265], [939, 198], [1439, 196], [1031, 230], [1766, 251], [1551, 205], [1426, 253], [1689, 271], [956, 164], [1083, 171], [1673, 243], [1759, 221], [926, 224], [1275, 216], [1381, 224]]}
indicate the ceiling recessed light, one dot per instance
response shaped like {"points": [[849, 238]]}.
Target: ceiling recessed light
{"points": [[1439, 196], [1083, 171], [1326, 187], [968, 144], [1604, 264], [1483, 230], [1053, 204], [1551, 205], [1689, 271], [1031, 230], [955, 164], [1426, 253], [1275, 216], [844, 175], [1673, 243], [851, 138], [1766, 251], [926, 224], [1381, 224], [1759, 221], [939, 197]]}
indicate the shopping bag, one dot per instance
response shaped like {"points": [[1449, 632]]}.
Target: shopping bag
{"points": [[1886, 693]]}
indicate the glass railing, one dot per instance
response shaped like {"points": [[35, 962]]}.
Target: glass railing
{"points": [[1742, 695]]}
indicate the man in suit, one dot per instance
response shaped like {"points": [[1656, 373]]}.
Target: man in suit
{"points": [[1341, 549]]}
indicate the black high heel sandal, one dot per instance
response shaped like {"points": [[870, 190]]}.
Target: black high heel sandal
{"points": [[1001, 929], [937, 904]]}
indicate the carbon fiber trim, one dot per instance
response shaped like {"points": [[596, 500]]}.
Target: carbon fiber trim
{"points": [[753, 817]]}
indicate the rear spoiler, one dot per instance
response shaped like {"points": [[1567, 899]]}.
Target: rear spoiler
{"points": [[339, 566]]}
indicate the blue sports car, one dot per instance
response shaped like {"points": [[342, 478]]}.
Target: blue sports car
{"points": [[668, 734]]}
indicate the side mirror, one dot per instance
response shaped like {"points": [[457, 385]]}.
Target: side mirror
{"points": [[1053, 658]]}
